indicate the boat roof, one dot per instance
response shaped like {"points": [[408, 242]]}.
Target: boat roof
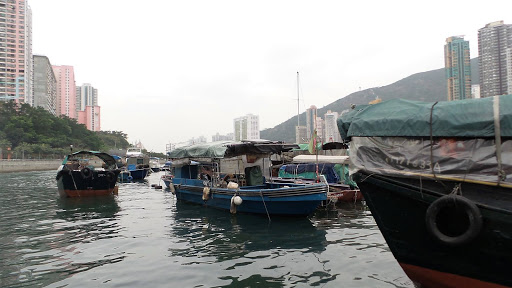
{"points": [[321, 159], [227, 149], [406, 118], [107, 158]]}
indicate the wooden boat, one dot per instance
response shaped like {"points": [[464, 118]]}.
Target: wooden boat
{"points": [[437, 178], [154, 164], [229, 175], [87, 173], [303, 169]]}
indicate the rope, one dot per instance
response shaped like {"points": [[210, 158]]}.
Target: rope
{"points": [[261, 194], [72, 178], [497, 135]]}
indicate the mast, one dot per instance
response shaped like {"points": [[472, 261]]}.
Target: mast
{"points": [[298, 97]]}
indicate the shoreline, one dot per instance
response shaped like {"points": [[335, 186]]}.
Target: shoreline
{"points": [[27, 165]]}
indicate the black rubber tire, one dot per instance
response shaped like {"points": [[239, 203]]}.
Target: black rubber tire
{"points": [[86, 173], [455, 204], [111, 177]]}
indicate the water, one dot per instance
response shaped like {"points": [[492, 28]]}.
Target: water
{"points": [[145, 237]]}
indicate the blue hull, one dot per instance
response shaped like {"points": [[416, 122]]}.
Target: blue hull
{"points": [[137, 174], [276, 199]]}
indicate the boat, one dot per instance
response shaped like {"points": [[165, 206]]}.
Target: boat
{"points": [[154, 164], [167, 166], [304, 169], [137, 165], [437, 178], [231, 176], [87, 173]]}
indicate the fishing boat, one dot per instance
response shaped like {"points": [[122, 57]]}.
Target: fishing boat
{"points": [[154, 164], [437, 178], [137, 165], [307, 168], [232, 176], [87, 173]]}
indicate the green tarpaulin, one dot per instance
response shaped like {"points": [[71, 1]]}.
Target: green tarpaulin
{"points": [[406, 118]]}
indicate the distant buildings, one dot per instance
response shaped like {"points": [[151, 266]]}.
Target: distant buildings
{"points": [[332, 133], [88, 110], [227, 137], [301, 135], [45, 85], [311, 116], [458, 68], [247, 127], [66, 91], [16, 62], [495, 49]]}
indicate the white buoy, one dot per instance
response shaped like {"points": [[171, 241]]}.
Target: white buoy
{"points": [[237, 200], [232, 185]]}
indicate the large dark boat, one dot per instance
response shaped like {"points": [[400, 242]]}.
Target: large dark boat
{"points": [[87, 173], [438, 180]]}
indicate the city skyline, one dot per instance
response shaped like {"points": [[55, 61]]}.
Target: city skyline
{"points": [[209, 72]]}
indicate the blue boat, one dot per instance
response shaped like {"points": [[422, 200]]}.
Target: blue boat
{"points": [[137, 165], [230, 176]]}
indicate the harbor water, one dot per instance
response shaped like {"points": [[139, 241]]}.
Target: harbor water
{"points": [[144, 237]]}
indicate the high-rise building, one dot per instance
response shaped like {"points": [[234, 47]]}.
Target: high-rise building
{"points": [[247, 127], [87, 106], [66, 91], [311, 115], [494, 44], [332, 134], [301, 135], [86, 95], [44, 85], [90, 117], [16, 63], [458, 68], [218, 137]]}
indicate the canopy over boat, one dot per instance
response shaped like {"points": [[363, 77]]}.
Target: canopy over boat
{"points": [[226, 149], [405, 118], [107, 158]]}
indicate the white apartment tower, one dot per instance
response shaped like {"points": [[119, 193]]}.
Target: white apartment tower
{"points": [[247, 127], [495, 49], [16, 63], [331, 127]]}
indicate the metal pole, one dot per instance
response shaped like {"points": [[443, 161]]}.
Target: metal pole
{"points": [[298, 97]]}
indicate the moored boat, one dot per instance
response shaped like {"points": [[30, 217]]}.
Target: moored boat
{"points": [[154, 164], [230, 176], [137, 165], [437, 178], [87, 173]]}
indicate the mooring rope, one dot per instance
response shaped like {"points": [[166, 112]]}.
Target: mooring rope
{"points": [[261, 194]]}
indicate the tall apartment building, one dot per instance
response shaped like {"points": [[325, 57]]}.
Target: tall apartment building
{"points": [[494, 48], [458, 68], [16, 63], [89, 113], [311, 116], [332, 134], [66, 91], [86, 95], [44, 85], [301, 135], [247, 127]]}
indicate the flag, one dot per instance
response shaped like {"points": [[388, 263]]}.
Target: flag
{"points": [[312, 144]]}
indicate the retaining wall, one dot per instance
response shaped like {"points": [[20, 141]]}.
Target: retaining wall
{"points": [[28, 165]]}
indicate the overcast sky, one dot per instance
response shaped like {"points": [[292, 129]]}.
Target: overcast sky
{"points": [[167, 71]]}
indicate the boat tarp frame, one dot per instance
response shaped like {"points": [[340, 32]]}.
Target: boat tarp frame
{"points": [[107, 158]]}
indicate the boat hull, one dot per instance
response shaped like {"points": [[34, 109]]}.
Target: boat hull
{"points": [[138, 174], [399, 206], [263, 199], [73, 184]]}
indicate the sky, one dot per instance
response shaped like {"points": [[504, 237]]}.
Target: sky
{"points": [[168, 71]]}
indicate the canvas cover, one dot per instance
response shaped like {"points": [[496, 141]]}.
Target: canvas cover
{"points": [[107, 158], [399, 117], [226, 149], [447, 158]]}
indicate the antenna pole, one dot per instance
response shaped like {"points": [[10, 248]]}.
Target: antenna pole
{"points": [[298, 98]]}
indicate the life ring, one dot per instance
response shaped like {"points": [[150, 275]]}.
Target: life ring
{"points": [[453, 220], [86, 173], [111, 177]]}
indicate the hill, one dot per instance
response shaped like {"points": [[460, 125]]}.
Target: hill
{"points": [[429, 86]]}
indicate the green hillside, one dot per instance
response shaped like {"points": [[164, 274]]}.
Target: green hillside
{"points": [[426, 86]]}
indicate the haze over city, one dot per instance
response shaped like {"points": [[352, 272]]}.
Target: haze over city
{"points": [[170, 71]]}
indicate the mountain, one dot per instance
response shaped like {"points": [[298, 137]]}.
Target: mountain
{"points": [[429, 86]]}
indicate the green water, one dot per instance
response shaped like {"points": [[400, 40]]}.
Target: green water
{"points": [[144, 237]]}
